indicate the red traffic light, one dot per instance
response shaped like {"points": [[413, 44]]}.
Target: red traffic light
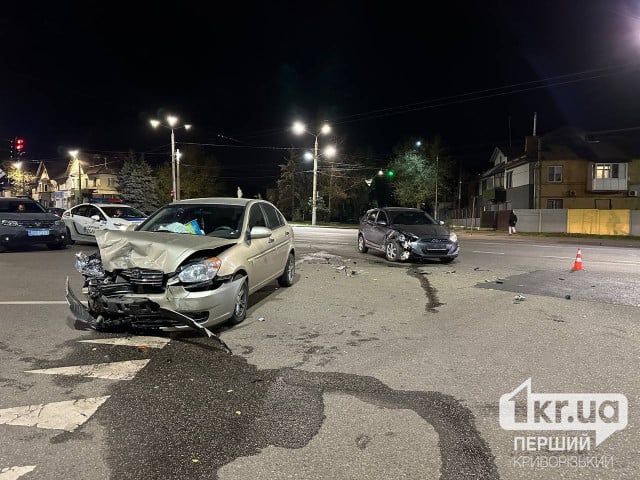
{"points": [[19, 144]]}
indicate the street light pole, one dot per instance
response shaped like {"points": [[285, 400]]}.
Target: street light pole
{"points": [[173, 166], [299, 128], [314, 202], [436, 202], [74, 155], [177, 154], [171, 124]]}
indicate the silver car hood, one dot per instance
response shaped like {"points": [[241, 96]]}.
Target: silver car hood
{"points": [[152, 250]]}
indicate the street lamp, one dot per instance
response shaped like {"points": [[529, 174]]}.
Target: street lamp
{"points": [[74, 155], [172, 124], [299, 128]]}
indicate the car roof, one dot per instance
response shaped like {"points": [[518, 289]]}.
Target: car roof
{"points": [[103, 205], [17, 199], [223, 200], [397, 209]]}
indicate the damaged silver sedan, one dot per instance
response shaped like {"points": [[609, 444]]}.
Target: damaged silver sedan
{"points": [[192, 264]]}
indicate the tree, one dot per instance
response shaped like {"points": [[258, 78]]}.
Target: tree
{"points": [[200, 174], [20, 180], [420, 171], [137, 184], [410, 181], [286, 197]]}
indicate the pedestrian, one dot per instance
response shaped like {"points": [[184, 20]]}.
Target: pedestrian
{"points": [[513, 219]]}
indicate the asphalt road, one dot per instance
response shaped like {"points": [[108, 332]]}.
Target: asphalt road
{"points": [[362, 369]]}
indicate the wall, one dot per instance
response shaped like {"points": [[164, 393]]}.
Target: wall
{"points": [[544, 220]]}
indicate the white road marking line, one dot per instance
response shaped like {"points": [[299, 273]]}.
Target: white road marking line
{"points": [[125, 370], [551, 256], [494, 253], [66, 415], [13, 473], [36, 302], [151, 342]]}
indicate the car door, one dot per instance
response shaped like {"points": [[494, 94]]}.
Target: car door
{"points": [[378, 229], [81, 220], [261, 250], [282, 236]]}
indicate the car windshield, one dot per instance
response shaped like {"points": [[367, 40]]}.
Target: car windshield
{"points": [[21, 206], [215, 220], [411, 218], [124, 212]]}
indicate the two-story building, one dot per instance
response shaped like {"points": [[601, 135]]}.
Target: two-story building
{"points": [[94, 179], [563, 169]]}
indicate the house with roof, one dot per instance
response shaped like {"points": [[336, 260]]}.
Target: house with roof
{"points": [[564, 169], [90, 180]]}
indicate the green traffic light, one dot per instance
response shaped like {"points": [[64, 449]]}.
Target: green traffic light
{"points": [[390, 173]]}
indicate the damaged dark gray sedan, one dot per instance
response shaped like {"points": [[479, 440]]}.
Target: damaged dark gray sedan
{"points": [[406, 233], [191, 264]]}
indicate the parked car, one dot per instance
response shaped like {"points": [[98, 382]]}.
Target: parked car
{"points": [[25, 222], [85, 219], [405, 233], [56, 211], [191, 264]]}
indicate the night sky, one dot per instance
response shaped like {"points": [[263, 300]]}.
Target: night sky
{"points": [[90, 76]]}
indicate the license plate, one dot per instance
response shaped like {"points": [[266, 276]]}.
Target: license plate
{"points": [[37, 233]]}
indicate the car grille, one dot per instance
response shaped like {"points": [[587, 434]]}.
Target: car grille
{"points": [[143, 280], [35, 223], [434, 246]]}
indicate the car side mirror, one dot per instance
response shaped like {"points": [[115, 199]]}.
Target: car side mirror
{"points": [[259, 232], [95, 218], [381, 222]]}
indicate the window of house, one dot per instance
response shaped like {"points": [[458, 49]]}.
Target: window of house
{"points": [[554, 203], [606, 170], [555, 173], [509, 180]]}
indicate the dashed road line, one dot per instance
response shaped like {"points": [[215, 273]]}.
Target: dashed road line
{"points": [[66, 415], [125, 370], [13, 473], [136, 341]]}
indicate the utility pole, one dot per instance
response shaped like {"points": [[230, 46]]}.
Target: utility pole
{"points": [[435, 210]]}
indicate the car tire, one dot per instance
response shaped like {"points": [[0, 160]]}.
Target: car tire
{"points": [[286, 279], [447, 260], [362, 245], [242, 301], [392, 250], [70, 239]]}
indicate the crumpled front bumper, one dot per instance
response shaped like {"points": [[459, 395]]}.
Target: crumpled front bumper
{"points": [[435, 249], [174, 309]]}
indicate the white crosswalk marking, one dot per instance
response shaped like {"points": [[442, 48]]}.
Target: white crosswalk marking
{"points": [[151, 342], [13, 473], [125, 370], [66, 415]]}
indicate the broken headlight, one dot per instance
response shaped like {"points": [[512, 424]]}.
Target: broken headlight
{"points": [[200, 271], [89, 265], [406, 237]]}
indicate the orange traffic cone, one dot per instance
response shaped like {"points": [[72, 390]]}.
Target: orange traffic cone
{"points": [[577, 265]]}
